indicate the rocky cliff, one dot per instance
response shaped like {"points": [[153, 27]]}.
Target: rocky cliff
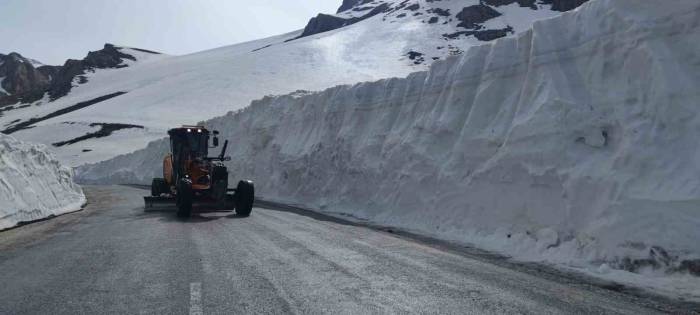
{"points": [[23, 80]]}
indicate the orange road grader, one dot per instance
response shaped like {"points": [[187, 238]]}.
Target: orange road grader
{"points": [[192, 178]]}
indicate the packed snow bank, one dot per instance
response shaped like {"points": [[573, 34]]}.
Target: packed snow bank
{"points": [[574, 143], [33, 185]]}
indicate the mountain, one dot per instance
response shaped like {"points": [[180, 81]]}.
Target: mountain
{"points": [[118, 99], [26, 80], [20, 79]]}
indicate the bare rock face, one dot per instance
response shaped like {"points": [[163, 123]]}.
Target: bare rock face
{"points": [[349, 4], [107, 57], [324, 22], [474, 15], [25, 84], [564, 5], [19, 75], [20, 80], [522, 3]]}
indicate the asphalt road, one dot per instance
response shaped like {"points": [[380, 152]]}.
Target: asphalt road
{"points": [[114, 258]]}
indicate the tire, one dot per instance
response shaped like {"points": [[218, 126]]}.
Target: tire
{"points": [[184, 199], [245, 196], [158, 187]]}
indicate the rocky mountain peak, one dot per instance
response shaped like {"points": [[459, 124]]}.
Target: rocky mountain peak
{"points": [[324, 22], [108, 57], [26, 80], [19, 76], [15, 56]]}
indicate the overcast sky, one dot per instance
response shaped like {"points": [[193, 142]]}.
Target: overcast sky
{"points": [[54, 30]]}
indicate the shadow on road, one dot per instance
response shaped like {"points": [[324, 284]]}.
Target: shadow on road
{"points": [[168, 214]]}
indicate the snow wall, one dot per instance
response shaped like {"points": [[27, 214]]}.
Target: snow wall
{"points": [[575, 142], [33, 185]]}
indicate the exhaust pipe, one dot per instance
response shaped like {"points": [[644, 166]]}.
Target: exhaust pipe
{"points": [[222, 155]]}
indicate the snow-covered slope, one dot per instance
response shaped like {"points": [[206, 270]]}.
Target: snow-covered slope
{"points": [[574, 143], [33, 184], [403, 37]]}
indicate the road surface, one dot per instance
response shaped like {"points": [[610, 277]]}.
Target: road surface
{"points": [[114, 258]]}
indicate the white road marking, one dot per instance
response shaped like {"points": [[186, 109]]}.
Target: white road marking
{"points": [[196, 298]]}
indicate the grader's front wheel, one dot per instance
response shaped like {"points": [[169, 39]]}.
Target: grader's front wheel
{"points": [[184, 199]]}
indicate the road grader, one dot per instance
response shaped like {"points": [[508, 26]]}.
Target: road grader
{"points": [[192, 179]]}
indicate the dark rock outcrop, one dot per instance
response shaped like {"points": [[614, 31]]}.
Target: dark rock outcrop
{"points": [[564, 5], [106, 129], [49, 71], [439, 11], [349, 4], [474, 15], [416, 57], [489, 35], [324, 22], [29, 123], [107, 57], [21, 80], [523, 3], [20, 76], [482, 35], [413, 7]]}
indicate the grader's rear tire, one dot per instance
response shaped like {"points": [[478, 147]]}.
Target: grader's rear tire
{"points": [[184, 199], [245, 196]]}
